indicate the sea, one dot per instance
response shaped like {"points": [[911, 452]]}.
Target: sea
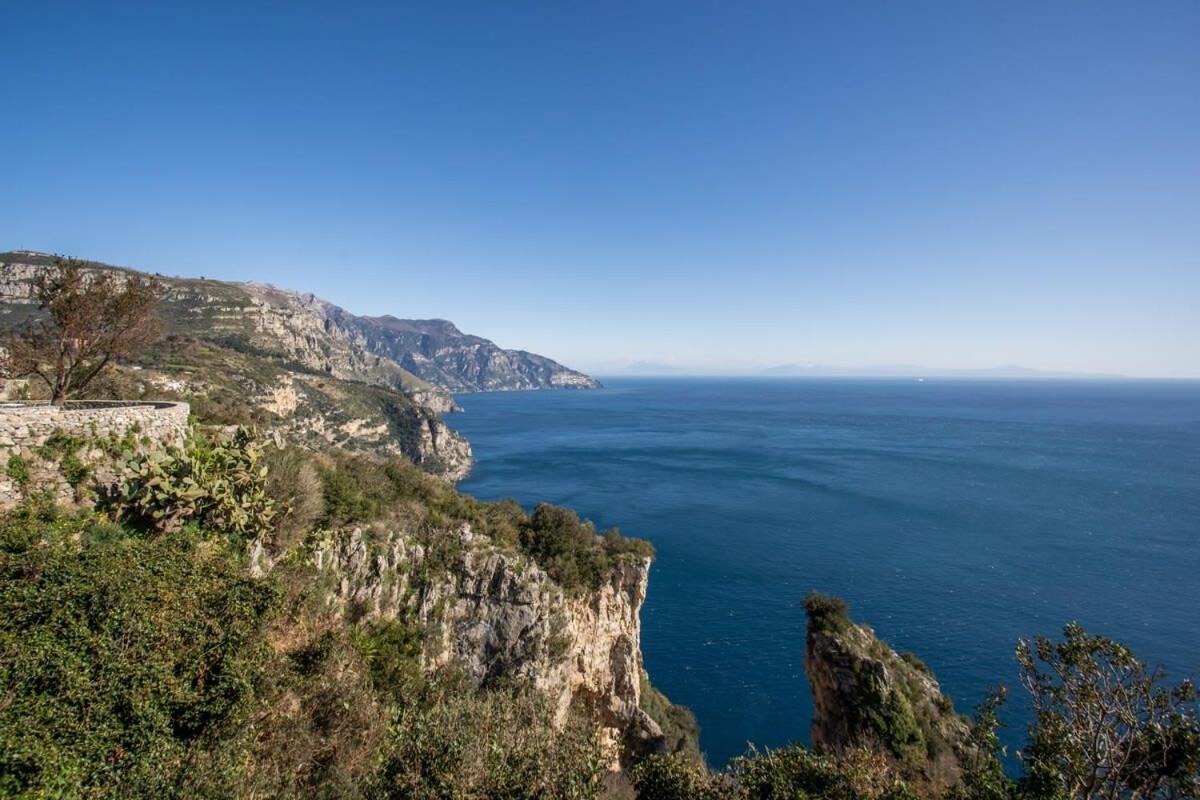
{"points": [[954, 516]]}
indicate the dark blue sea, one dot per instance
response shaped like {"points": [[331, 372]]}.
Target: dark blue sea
{"points": [[953, 516]]}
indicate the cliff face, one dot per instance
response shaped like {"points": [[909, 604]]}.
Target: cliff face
{"points": [[865, 695], [498, 616], [438, 352]]}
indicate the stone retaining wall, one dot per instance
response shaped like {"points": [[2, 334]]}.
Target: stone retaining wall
{"points": [[26, 427]]}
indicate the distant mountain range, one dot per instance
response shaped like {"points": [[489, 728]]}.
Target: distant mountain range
{"points": [[1011, 372], [914, 371]]}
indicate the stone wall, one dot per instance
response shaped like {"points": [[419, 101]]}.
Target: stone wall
{"points": [[88, 441]]}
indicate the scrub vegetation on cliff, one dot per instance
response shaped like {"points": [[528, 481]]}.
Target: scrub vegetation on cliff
{"points": [[143, 658]]}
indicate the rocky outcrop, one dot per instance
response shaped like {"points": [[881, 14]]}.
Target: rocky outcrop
{"points": [[865, 695], [438, 352], [501, 618], [440, 450]]}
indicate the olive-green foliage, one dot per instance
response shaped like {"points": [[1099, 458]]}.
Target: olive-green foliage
{"points": [[135, 666], [124, 662], [346, 501], [63, 449], [451, 742], [320, 723], [898, 715], [916, 663], [794, 773], [359, 490], [1106, 725], [294, 484], [789, 773], [983, 774], [826, 612], [891, 718], [58, 444], [138, 667], [677, 777], [17, 468], [219, 483], [681, 732], [569, 549], [392, 651]]}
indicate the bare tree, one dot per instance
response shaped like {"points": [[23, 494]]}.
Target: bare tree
{"points": [[1106, 727], [92, 319]]}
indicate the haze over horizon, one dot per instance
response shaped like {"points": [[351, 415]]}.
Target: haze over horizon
{"points": [[958, 186]]}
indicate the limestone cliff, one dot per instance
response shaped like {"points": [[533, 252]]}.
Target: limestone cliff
{"points": [[437, 351], [865, 695], [501, 618]]}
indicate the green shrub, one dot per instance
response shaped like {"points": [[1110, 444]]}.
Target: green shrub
{"points": [[17, 469], [125, 663], [916, 663], [58, 444], [360, 490], [454, 743], [826, 612], [347, 501], [294, 485], [795, 773], [63, 449], [219, 484], [677, 777], [681, 732], [569, 549], [392, 651]]}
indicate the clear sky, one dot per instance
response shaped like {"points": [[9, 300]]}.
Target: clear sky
{"points": [[952, 184]]}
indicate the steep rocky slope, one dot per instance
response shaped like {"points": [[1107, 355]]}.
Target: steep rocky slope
{"points": [[232, 387], [426, 358], [865, 695], [438, 352], [501, 618]]}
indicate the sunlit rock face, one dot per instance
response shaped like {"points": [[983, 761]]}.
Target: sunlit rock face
{"points": [[865, 695], [499, 617]]}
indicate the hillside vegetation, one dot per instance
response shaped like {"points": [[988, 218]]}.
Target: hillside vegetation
{"points": [[142, 658]]}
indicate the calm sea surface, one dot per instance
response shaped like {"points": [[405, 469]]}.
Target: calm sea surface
{"points": [[954, 516]]}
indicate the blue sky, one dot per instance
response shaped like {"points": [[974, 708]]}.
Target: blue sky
{"points": [[953, 184]]}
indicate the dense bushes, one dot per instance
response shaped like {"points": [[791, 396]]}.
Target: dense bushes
{"points": [[789, 773], [124, 662], [217, 482], [569, 550], [294, 484], [360, 490], [681, 732], [826, 612], [452, 742], [139, 666]]}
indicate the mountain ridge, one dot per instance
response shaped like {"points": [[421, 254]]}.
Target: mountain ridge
{"points": [[426, 356]]}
